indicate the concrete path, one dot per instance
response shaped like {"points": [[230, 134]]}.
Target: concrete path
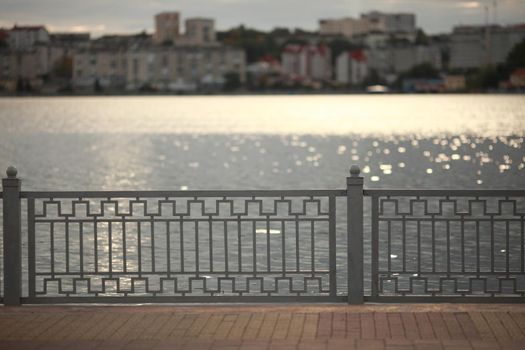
{"points": [[257, 327]]}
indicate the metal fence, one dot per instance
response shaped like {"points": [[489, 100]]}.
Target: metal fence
{"points": [[262, 246]]}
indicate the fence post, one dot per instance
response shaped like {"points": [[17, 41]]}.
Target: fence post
{"points": [[354, 193], [12, 238]]}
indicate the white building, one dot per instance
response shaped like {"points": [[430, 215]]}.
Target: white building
{"points": [[309, 62], [348, 26], [391, 61], [390, 22], [373, 22], [351, 67], [25, 37], [475, 46], [164, 68]]}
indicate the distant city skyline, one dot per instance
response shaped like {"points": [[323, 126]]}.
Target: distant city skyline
{"points": [[111, 16]]}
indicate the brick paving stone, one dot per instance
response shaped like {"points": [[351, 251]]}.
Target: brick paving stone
{"points": [[370, 344], [225, 327], [410, 326], [482, 326], [485, 345], [428, 345], [367, 326], [252, 329], [468, 327], [312, 345], [339, 344], [239, 326], [339, 325], [170, 325], [438, 325], [381, 324], [324, 326], [282, 325], [496, 326], [424, 326], [255, 344], [396, 325], [211, 326], [296, 326], [454, 329], [353, 325], [101, 326], [511, 326], [519, 319], [513, 345], [310, 326], [399, 342], [268, 326]]}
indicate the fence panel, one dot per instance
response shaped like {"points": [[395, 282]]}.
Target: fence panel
{"points": [[447, 245], [182, 246]]}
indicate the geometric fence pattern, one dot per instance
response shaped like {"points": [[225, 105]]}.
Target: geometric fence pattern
{"points": [[447, 244], [177, 246]]}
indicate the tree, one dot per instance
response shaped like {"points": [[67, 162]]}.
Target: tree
{"points": [[232, 81], [421, 38], [421, 71], [487, 77], [63, 67], [337, 46], [516, 58]]}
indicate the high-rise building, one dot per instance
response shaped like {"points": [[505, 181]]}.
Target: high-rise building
{"points": [[475, 46], [390, 22], [200, 31], [166, 27], [348, 26]]}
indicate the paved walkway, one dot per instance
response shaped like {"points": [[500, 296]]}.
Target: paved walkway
{"points": [[258, 327]]}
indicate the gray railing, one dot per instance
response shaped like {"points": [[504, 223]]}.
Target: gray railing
{"points": [[265, 246]]}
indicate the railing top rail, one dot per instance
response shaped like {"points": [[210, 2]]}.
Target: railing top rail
{"points": [[183, 194], [444, 192]]}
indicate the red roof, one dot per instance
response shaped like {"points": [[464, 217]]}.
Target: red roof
{"points": [[358, 55], [293, 48], [520, 72]]}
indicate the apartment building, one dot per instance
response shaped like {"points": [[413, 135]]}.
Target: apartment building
{"points": [[390, 22], [25, 37], [389, 62], [166, 27], [308, 62], [475, 46], [199, 31], [165, 68], [348, 27], [351, 67], [373, 22]]}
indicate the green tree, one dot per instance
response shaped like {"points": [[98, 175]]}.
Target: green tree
{"points": [[232, 81], [337, 46], [63, 67], [516, 58], [421, 71], [421, 38]]}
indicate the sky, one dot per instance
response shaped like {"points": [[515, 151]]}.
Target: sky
{"points": [[130, 16]]}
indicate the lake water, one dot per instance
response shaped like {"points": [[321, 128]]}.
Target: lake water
{"points": [[259, 142]]}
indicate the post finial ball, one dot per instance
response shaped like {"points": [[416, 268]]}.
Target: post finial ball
{"points": [[355, 171], [11, 172]]}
